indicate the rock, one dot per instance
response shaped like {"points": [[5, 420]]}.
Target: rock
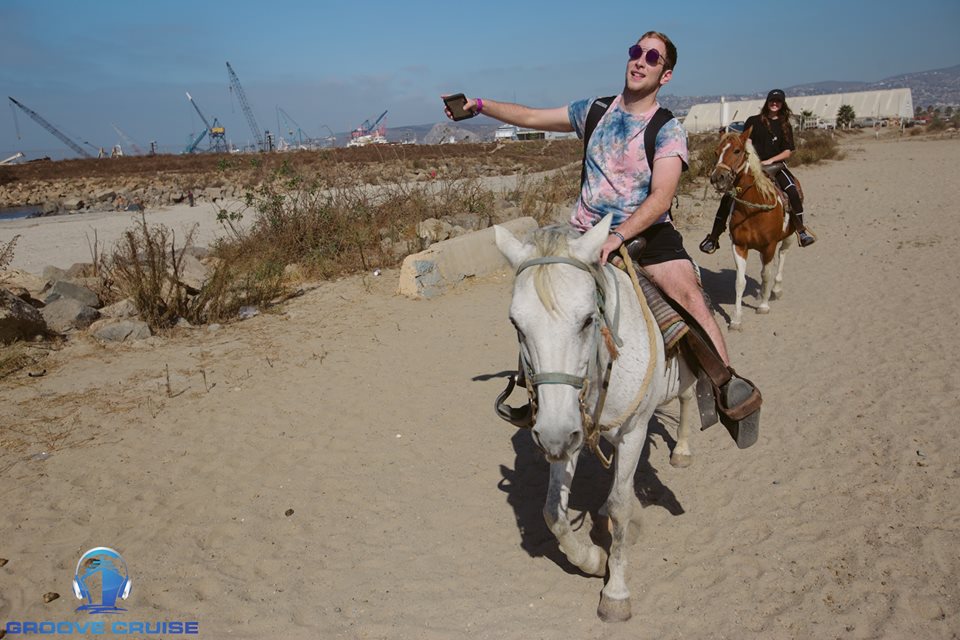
{"points": [[63, 289], [18, 278], [193, 274], [51, 273], [81, 270], [18, 320], [126, 308], [112, 330], [64, 314], [72, 204], [105, 195], [432, 230]]}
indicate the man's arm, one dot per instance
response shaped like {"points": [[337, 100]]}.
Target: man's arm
{"points": [[663, 187], [556, 119]]}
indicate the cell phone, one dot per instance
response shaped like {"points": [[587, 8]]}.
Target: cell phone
{"points": [[455, 104]]}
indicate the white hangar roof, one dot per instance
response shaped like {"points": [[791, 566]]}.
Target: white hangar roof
{"points": [[888, 103]]}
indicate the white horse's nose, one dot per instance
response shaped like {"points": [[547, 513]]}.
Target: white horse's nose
{"points": [[558, 443]]}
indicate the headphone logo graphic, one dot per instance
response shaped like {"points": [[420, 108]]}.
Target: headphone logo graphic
{"points": [[111, 569]]}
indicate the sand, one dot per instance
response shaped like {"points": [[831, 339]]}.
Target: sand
{"points": [[415, 513]]}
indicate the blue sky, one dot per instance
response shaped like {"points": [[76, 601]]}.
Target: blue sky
{"points": [[85, 65]]}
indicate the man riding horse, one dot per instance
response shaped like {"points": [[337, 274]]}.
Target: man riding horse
{"points": [[619, 180]]}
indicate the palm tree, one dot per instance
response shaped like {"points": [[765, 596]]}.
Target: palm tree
{"points": [[845, 116]]}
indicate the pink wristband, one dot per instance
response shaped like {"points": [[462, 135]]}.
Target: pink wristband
{"points": [[479, 105]]}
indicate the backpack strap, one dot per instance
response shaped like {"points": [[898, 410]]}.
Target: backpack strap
{"points": [[660, 118], [597, 108]]}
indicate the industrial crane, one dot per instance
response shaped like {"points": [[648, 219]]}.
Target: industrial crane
{"points": [[247, 111], [366, 128], [137, 150], [294, 130], [218, 141], [52, 129]]}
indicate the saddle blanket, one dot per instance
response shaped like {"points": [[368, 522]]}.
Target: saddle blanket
{"points": [[672, 326]]}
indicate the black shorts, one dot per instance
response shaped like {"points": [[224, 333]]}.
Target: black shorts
{"points": [[664, 243]]}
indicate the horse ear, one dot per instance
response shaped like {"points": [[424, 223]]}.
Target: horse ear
{"points": [[512, 249], [587, 247], [746, 133]]}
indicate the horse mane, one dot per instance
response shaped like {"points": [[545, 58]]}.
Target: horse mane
{"points": [[761, 180], [554, 241]]}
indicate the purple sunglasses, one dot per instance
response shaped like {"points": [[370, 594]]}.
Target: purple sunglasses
{"points": [[653, 57]]}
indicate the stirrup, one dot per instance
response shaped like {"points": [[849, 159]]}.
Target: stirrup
{"points": [[710, 244], [521, 417], [806, 238]]}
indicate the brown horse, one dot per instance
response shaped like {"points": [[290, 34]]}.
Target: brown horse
{"points": [[759, 220]]}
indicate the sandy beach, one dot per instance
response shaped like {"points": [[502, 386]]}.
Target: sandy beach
{"points": [[334, 469]]}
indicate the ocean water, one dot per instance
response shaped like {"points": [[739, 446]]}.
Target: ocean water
{"points": [[17, 213]]}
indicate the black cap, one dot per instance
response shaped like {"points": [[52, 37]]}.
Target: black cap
{"points": [[777, 94]]}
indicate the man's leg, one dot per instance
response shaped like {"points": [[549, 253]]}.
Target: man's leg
{"points": [[712, 242], [677, 279]]}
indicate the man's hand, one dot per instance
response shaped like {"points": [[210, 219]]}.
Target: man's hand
{"points": [[610, 245]]}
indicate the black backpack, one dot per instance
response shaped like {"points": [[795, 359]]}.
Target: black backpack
{"points": [[599, 107]]}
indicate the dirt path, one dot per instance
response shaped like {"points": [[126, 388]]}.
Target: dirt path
{"points": [[416, 512]]}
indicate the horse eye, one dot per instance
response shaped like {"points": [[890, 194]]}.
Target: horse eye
{"points": [[587, 323], [737, 151]]}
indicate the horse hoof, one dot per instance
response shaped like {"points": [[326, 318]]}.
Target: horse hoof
{"points": [[763, 310], [611, 610], [735, 326], [681, 460]]}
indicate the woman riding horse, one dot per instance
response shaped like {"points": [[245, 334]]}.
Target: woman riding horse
{"points": [[772, 137]]}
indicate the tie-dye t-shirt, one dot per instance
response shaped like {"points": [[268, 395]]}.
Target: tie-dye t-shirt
{"points": [[617, 174]]}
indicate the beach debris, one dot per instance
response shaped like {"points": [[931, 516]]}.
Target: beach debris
{"points": [[37, 374], [50, 596], [288, 512], [247, 312], [43, 455], [3, 561], [376, 272]]}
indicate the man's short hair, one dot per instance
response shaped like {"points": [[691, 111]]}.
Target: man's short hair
{"points": [[671, 60]]}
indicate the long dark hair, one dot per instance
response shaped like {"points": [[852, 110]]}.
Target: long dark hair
{"points": [[784, 117]]}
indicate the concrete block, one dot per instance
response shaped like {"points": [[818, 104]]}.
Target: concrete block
{"points": [[434, 271]]}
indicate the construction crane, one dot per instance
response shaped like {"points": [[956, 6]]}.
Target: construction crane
{"points": [[297, 134], [247, 111], [366, 128], [52, 129], [137, 150], [218, 143]]}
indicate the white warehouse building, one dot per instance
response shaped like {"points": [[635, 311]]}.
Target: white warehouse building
{"points": [[888, 103]]}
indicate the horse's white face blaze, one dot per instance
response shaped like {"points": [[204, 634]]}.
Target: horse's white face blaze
{"points": [[731, 159]]}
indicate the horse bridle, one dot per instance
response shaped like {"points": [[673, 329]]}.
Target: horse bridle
{"points": [[525, 417], [734, 191]]}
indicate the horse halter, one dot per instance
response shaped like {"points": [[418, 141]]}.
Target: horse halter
{"points": [[525, 417]]}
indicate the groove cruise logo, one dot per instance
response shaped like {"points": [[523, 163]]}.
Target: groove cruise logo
{"points": [[101, 582]]}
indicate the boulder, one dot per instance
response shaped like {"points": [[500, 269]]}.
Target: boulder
{"points": [[432, 230], [18, 320], [120, 330], [81, 270], [126, 308], [64, 314], [17, 278], [193, 274], [65, 289], [52, 274]]}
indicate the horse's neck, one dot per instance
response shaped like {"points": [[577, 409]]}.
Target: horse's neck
{"points": [[633, 327]]}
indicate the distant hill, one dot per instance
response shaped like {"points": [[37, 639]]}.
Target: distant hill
{"points": [[938, 88]]}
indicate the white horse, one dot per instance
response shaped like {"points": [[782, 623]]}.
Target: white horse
{"points": [[562, 298]]}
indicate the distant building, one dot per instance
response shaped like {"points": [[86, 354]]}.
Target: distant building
{"points": [[888, 103]]}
